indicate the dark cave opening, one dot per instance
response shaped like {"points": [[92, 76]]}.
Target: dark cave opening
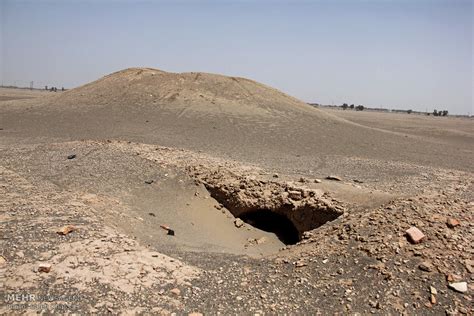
{"points": [[273, 222]]}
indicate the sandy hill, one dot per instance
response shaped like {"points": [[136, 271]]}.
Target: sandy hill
{"points": [[195, 91], [224, 116]]}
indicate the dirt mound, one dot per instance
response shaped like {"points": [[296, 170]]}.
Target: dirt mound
{"points": [[137, 87]]}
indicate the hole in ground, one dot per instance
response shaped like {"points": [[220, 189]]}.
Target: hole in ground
{"points": [[272, 222], [276, 212]]}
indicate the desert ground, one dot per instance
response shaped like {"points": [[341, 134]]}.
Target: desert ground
{"points": [[149, 192]]}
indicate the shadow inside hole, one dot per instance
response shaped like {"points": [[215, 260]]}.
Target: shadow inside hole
{"points": [[272, 222]]}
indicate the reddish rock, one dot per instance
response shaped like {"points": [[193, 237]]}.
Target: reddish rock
{"points": [[66, 230], [453, 277], [175, 291], [451, 222], [415, 235]]}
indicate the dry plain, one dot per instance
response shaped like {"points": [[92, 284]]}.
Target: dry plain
{"points": [[239, 171]]}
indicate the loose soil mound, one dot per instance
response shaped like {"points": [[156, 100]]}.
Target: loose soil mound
{"points": [[204, 92]]}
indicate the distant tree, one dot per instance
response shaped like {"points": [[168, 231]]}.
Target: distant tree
{"points": [[445, 113], [352, 106], [45, 87], [360, 108], [345, 106], [409, 111], [435, 113]]}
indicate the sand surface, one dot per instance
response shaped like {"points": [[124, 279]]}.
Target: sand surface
{"points": [[194, 152]]}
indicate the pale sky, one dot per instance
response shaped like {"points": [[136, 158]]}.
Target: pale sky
{"points": [[407, 54]]}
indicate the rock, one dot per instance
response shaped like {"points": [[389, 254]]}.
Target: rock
{"points": [[415, 235], [451, 222], [175, 291], [71, 156], [238, 223], [300, 264], [335, 178], [294, 195], [149, 181], [303, 180], [426, 266], [152, 214], [317, 181], [195, 314], [2, 260], [453, 277], [460, 287], [66, 230], [168, 229], [433, 299], [469, 263], [44, 267], [433, 290], [275, 175]]}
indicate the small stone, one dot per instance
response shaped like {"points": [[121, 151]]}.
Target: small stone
{"points": [[433, 290], [453, 277], [335, 178], [149, 181], [20, 254], [195, 314], [469, 263], [294, 195], [300, 264], [238, 223], [71, 156], [433, 299], [175, 291], [66, 230], [303, 180], [415, 235], [426, 266], [2, 260], [44, 267], [460, 287], [451, 222], [317, 181], [275, 175]]}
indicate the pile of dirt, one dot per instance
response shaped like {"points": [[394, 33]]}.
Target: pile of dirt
{"points": [[195, 91]]}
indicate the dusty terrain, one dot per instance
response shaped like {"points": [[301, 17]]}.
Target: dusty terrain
{"points": [[8, 94], [239, 172]]}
